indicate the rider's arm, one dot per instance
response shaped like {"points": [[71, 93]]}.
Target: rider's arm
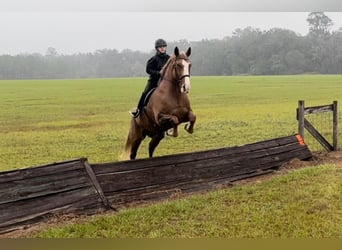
{"points": [[151, 68]]}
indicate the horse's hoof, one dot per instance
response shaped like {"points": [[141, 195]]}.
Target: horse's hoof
{"points": [[188, 129], [169, 132]]}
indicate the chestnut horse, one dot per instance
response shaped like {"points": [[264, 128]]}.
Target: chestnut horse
{"points": [[168, 106]]}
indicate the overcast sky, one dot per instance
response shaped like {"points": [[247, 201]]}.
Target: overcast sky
{"points": [[71, 27]]}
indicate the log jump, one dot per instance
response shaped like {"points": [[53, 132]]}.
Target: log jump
{"points": [[76, 187]]}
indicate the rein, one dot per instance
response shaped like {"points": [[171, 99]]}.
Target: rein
{"points": [[183, 76], [176, 81]]}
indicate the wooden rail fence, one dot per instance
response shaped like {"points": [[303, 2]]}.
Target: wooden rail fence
{"points": [[305, 123], [76, 187]]}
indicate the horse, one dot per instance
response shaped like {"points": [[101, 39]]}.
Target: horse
{"points": [[168, 106]]}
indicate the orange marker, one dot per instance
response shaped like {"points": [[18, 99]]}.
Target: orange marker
{"points": [[300, 140]]}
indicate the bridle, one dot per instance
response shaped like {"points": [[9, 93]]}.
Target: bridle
{"points": [[178, 81], [182, 77]]}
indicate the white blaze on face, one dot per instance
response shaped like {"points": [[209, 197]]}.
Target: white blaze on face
{"points": [[187, 85]]}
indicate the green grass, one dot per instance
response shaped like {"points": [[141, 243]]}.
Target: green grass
{"points": [[55, 120], [303, 204], [44, 121]]}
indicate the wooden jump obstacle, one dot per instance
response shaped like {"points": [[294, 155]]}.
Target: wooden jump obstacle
{"points": [[76, 187], [304, 123]]}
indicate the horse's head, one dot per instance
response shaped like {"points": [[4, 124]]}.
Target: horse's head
{"points": [[181, 65], [182, 69]]}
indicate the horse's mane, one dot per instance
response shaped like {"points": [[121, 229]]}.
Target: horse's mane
{"points": [[171, 60], [163, 70]]}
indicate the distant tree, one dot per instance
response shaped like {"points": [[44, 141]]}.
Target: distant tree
{"points": [[247, 51], [243, 51], [319, 23], [295, 61], [51, 52], [319, 38]]}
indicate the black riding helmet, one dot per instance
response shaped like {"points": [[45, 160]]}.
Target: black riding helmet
{"points": [[160, 43]]}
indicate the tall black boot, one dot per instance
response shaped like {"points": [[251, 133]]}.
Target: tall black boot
{"points": [[138, 110]]}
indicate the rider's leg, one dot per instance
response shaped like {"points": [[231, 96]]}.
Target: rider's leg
{"points": [[140, 106], [150, 85]]}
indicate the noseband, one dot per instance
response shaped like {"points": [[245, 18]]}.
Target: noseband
{"points": [[182, 77]]}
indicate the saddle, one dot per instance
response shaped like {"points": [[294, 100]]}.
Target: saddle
{"points": [[148, 96]]}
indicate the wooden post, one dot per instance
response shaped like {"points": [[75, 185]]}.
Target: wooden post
{"points": [[96, 184], [335, 125], [300, 117]]}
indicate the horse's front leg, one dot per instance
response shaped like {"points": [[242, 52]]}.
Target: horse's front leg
{"points": [[189, 127], [172, 131], [169, 121]]}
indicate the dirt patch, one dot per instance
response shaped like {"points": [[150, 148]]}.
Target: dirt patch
{"points": [[63, 220]]}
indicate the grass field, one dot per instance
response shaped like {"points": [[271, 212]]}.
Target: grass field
{"points": [[44, 121], [55, 120], [276, 208]]}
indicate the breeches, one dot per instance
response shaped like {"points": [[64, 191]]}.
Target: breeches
{"points": [[150, 85]]}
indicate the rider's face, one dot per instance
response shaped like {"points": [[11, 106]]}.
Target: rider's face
{"points": [[162, 49]]}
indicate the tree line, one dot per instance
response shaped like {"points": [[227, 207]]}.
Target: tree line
{"points": [[248, 51]]}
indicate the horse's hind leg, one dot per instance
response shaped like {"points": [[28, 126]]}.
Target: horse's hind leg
{"points": [[135, 145], [189, 127], [134, 139], [154, 143]]}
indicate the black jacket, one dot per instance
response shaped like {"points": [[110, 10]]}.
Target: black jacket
{"points": [[155, 64]]}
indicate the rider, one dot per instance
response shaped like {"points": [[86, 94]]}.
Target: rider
{"points": [[153, 67]]}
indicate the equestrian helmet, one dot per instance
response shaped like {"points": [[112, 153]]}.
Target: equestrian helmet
{"points": [[160, 43]]}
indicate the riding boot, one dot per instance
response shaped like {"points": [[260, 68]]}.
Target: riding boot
{"points": [[141, 101], [138, 110]]}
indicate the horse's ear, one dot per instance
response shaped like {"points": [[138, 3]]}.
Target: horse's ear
{"points": [[176, 51], [188, 52]]}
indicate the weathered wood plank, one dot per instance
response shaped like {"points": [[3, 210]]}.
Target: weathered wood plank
{"points": [[211, 170], [27, 209], [59, 167], [318, 109], [155, 193], [188, 157], [29, 194], [317, 135], [39, 191], [335, 125], [96, 184], [43, 185], [220, 173], [158, 192], [122, 180]]}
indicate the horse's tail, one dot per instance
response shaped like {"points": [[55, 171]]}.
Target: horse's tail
{"points": [[125, 155], [127, 150]]}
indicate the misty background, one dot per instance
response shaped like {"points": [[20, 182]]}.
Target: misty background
{"points": [[246, 51]]}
